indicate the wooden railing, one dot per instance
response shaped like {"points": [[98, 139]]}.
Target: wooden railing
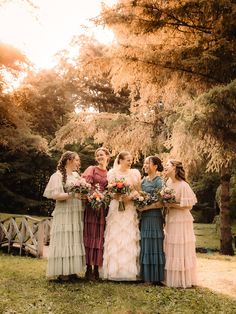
{"points": [[26, 233]]}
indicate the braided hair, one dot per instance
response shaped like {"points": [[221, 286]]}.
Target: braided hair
{"points": [[179, 170], [68, 155]]}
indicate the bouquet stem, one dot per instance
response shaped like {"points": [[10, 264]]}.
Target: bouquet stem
{"points": [[121, 207]]}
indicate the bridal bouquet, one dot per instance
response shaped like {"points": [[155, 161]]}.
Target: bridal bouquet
{"points": [[119, 186]]}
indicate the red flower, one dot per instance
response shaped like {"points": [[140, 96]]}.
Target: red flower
{"points": [[120, 185]]}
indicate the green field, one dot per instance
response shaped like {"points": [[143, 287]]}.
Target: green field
{"points": [[24, 289]]}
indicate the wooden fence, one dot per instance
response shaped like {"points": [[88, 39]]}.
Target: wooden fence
{"points": [[26, 233]]}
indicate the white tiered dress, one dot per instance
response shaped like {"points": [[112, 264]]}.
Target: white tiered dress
{"points": [[121, 245], [66, 248], [179, 243]]}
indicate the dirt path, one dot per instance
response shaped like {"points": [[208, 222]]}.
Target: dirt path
{"points": [[217, 275]]}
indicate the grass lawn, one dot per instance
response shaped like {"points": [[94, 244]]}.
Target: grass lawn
{"points": [[207, 236], [24, 289]]}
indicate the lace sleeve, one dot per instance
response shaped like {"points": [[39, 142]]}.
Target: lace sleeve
{"points": [[111, 175], [136, 178]]}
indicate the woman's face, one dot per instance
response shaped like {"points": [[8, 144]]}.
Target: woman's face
{"points": [[74, 163], [148, 166], [126, 162], [101, 157], [169, 169]]}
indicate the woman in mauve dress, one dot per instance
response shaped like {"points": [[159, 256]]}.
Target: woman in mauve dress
{"points": [[179, 243], [94, 222]]}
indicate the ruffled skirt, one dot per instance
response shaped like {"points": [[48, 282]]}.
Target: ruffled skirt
{"points": [[121, 245], [152, 259], [66, 248], [179, 247]]}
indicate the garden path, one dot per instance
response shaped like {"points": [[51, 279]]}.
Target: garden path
{"points": [[218, 275]]}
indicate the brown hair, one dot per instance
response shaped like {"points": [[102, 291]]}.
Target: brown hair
{"points": [[157, 162], [68, 155], [179, 170], [121, 156], [104, 149]]}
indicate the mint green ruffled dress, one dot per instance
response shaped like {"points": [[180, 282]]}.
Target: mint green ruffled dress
{"points": [[66, 248]]}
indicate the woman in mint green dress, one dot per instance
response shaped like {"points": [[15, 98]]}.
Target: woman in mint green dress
{"points": [[152, 259], [66, 256]]}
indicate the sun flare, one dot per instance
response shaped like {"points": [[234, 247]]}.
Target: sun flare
{"points": [[50, 27]]}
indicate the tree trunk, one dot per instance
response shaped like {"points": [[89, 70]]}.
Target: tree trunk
{"points": [[226, 246]]}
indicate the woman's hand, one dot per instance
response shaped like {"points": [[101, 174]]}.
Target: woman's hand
{"points": [[81, 196], [117, 196], [134, 194]]}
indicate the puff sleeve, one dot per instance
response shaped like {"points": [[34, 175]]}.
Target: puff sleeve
{"points": [[111, 175], [54, 186], [136, 178], [187, 196], [88, 174]]}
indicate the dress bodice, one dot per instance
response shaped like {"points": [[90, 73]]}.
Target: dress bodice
{"points": [[184, 195], [131, 177], [55, 185], [150, 186], [95, 175]]}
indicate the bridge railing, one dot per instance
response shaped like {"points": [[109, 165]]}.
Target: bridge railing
{"points": [[26, 233]]}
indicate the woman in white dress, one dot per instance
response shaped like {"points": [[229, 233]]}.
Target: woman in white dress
{"points": [[179, 243], [121, 245], [66, 250]]}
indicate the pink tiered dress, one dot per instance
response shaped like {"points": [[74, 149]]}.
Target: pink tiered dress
{"points": [[179, 243]]}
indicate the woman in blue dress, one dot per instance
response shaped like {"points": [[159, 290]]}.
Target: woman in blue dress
{"points": [[152, 259]]}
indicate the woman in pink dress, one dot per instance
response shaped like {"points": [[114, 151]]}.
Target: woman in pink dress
{"points": [[179, 243], [94, 224]]}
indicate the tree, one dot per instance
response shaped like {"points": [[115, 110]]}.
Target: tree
{"points": [[89, 82], [211, 125], [169, 51]]}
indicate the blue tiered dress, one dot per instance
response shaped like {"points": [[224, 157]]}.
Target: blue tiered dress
{"points": [[152, 258]]}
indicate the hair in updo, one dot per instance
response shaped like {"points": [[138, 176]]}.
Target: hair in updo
{"points": [[68, 155], [122, 155], [157, 162], [104, 149], [179, 170]]}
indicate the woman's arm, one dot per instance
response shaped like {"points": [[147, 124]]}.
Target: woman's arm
{"points": [[176, 206], [155, 205], [66, 196]]}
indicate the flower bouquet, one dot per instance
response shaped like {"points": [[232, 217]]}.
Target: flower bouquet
{"points": [[120, 187], [141, 200], [146, 199], [98, 200], [167, 195], [80, 186]]}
